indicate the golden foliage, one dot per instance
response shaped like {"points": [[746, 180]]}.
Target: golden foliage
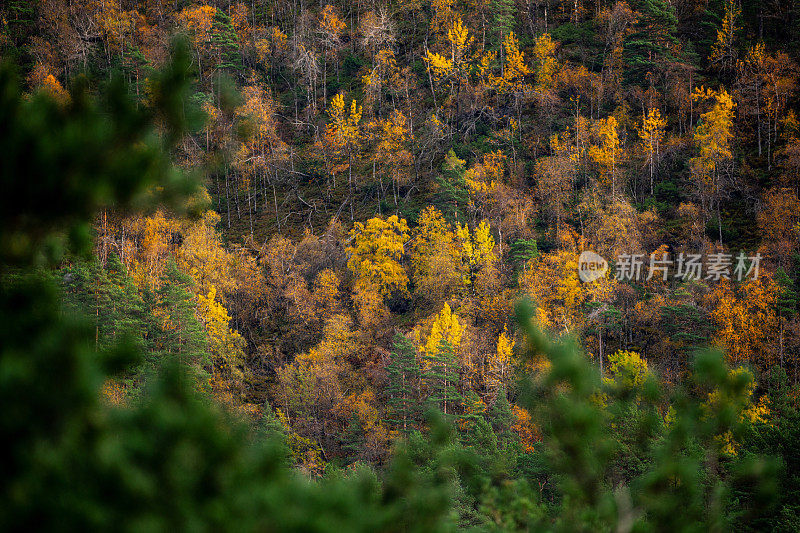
{"points": [[435, 257], [376, 251], [747, 320], [227, 345], [445, 328]]}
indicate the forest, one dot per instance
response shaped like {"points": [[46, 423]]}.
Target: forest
{"points": [[400, 265]]}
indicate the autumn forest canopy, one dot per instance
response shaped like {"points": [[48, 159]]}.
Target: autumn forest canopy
{"points": [[400, 265]]}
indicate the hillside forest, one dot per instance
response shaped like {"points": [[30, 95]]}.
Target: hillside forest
{"points": [[355, 228]]}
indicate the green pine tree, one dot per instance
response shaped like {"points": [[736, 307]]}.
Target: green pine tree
{"points": [[452, 196], [503, 17], [225, 44], [403, 386], [650, 45], [501, 419], [442, 378], [182, 335]]}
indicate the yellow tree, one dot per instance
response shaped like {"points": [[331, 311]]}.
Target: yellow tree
{"points": [[779, 84], [552, 281], [779, 224], [343, 134], [514, 70], [331, 28], [544, 57], [384, 73], [375, 253], [477, 251], [445, 328], [456, 68], [747, 320], [198, 20], [261, 152], [226, 345], [498, 369], [723, 51], [555, 178], [316, 383], [392, 151], [202, 256], [435, 257], [652, 134], [606, 153], [713, 137]]}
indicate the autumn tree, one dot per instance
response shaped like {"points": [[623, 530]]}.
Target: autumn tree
{"points": [[262, 152], [515, 70], [375, 254], [544, 58], [199, 20], [435, 257], [500, 364], [315, 383], [779, 224], [561, 297], [652, 135], [723, 50], [385, 74], [441, 362], [343, 134], [478, 253], [392, 151], [454, 69], [226, 345], [203, 257], [713, 137], [606, 153], [746, 320], [555, 178], [331, 28]]}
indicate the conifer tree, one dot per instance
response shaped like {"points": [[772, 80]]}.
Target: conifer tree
{"points": [[182, 333], [503, 13], [403, 387], [442, 377], [224, 42], [453, 192], [649, 48], [501, 418]]}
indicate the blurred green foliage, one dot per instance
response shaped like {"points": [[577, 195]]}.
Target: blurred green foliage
{"points": [[618, 454]]}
